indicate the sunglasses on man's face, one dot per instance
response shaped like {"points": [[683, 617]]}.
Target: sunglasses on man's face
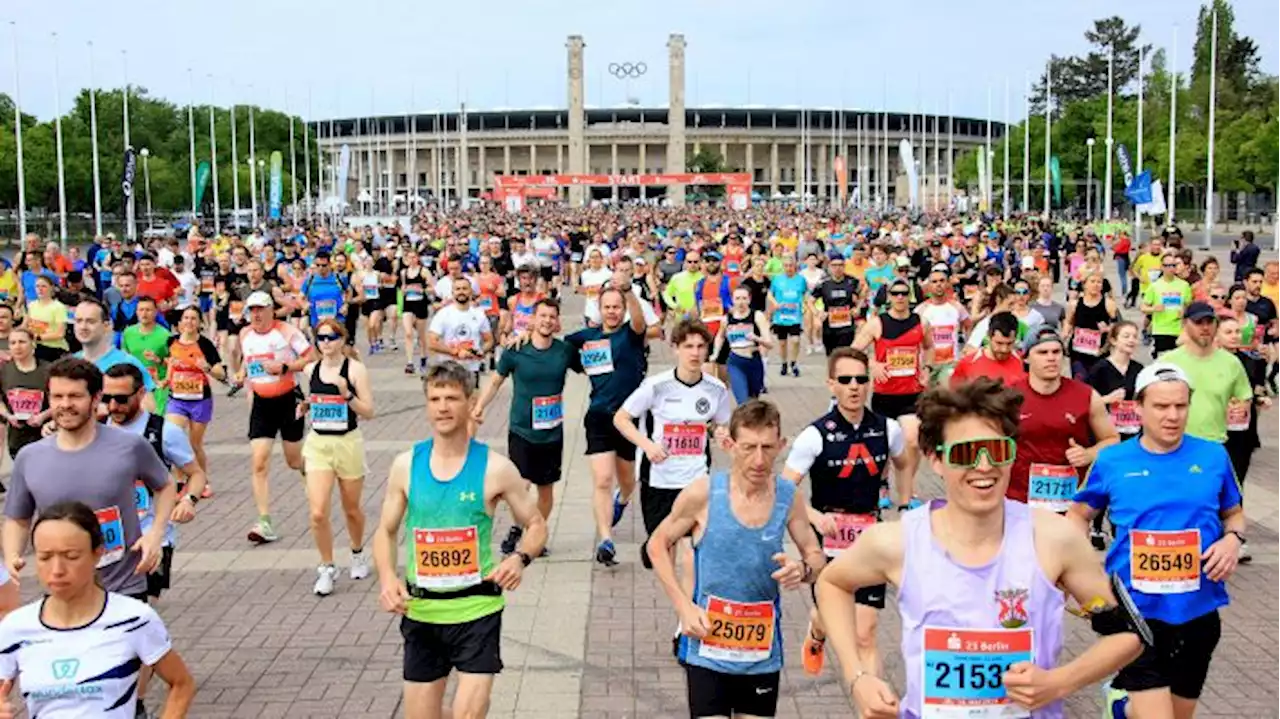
{"points": [[1217, 297], [967, 454], [847, 379], [898, 293], [118, 398], [1169, 267]]}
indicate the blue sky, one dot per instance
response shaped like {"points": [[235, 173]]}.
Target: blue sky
{"points": [[355, 58]]}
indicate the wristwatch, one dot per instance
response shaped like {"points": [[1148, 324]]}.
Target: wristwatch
{"points": [[525, 559], [1238, 535], [195, 499]]}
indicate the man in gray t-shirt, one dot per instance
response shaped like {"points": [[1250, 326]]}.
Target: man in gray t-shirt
{"points": [[94, 464]]}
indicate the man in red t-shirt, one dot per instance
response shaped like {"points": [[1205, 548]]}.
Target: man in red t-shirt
{"points": [[997, 358], [154, 285]]}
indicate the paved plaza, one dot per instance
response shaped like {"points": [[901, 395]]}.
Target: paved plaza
{"points": [[579, 640]]}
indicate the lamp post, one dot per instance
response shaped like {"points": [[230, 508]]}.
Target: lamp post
{"points": [[1088, 187], [146, 174]]}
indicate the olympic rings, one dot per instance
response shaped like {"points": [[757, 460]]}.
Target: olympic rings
{"points": [[627, 69]]}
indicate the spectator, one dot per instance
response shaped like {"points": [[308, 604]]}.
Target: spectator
{"points": [[1244, 254]]}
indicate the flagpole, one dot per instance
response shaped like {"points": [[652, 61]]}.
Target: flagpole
{"points": [[306, 157], [1137, 213], [951, 154], [191, 138], [213, 161], [293, 160], [129, 211], [1173, 126], [986, 189], [937, 169], [1106, 194], [62, 175], [235, 165], [93, 135], [1026, 145], [1004, 201], [253, 165], [1213, 107], [1048, 137], [17, 130]]}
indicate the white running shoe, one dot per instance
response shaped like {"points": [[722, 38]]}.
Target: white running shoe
{"points": [[324, 582], [359, 566]]}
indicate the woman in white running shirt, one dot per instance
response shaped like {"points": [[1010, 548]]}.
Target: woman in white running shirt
{"points": [[77, 652]]}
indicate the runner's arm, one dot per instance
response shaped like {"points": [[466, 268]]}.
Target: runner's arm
{"points": [[798, 526], [866, 563], [763, 337], [804, 452], [634, 310], [490, 391], [1085, 580], [394, 503], [361, 401], [1104, 432], [512, 489], [688, 511]]}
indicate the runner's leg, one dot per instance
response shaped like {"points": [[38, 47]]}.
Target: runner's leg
{"points": [[410, 339], [350, 491], [425, 700], [293, 456], [865, 620], [471, 698], [602, 469], [319, 492], [905, 472], [261, 448]]}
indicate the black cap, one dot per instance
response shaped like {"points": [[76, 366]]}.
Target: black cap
{"points": [[1198, 311]]}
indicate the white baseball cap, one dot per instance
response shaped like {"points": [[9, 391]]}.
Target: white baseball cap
{"points": [[259, 299], [1160, 372]]}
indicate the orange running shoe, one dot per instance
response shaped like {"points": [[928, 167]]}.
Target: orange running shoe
{"points": [[814, 654], [207, 492]]}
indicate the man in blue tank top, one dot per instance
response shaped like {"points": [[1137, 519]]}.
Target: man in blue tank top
{"points": [[1179, 526], [978, 579], [731, 643], [445, 492]]}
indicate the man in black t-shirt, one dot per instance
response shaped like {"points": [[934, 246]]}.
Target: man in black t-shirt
{"points": [[840, 296]]}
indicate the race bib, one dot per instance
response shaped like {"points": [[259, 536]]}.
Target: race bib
{"points": [[684, 439], [326, 309], [597, 357], [186, 384], [944, 343], [1087, 342], [255, 369], [901, 361], [1238, 416], [788, 313], [486, 304], [1171, 301], [839, 317], [235, 309], [591, 291], [371, 292], [446, 559], [848, 527], [964, 672], [1164, 562], [522, 319], [740, 631], [739, 336], [548, 412], [25, 403], [1124, 415], [329, 413], [37, 327], [712, 310], [1153, 275], [112, 535], [1051, 486], [141, 498], [206, 284], [413, 293]]}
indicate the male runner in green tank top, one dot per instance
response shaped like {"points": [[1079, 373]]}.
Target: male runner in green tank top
{"points": [[445, 492]]}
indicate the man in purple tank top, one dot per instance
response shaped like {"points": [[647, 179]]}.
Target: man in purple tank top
{"points": [[978, 580]]}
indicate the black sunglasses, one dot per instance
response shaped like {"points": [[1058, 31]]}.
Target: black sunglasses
{"points": [[898, 293], [118, 398], [850, 378], [328, 337]]}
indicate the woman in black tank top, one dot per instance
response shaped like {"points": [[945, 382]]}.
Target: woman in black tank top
{"points": [[738, 341], [1086, 325]]}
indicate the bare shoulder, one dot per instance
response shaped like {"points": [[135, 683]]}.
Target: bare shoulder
{"points": [[1058, 541], [500, 473]]}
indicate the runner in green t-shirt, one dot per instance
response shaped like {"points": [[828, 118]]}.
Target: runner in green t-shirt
{"points": [[535, 433], [1218, 378], [1164, 299], [148, 343]]}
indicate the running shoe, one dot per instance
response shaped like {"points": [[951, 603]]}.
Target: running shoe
{"points": [[422, 365], [1098, 540], [375, 348], [263, 532], [1114, 703], [235, 389], [607, 554], [207, 492], [359, 566], [326, 575], [394, 346], [783, 372], [885, 502], [795, 369], [814, 654], [408, 369], [619, 507], [914, 502], [513, 538]]}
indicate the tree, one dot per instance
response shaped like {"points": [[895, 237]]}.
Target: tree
{"points": [[1085, 77], [706, 160]]}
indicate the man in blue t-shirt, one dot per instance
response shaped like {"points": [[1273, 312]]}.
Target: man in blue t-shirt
{"points": [[1179, 525], [788, 293], [613, 359]]}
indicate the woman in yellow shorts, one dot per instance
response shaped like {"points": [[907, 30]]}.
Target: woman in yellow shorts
{"points": [[337, 394]]}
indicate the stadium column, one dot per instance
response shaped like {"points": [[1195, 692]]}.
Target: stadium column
{"points": [[750, 167], [613, 165], [644, 168], [675, 116], [773, 170], [821, 179], [577, 118]]}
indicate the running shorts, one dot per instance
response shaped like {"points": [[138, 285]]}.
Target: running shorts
{"points": [[432, 651]]}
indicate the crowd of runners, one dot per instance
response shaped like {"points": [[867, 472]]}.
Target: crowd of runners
{"points": [[998, 354]]}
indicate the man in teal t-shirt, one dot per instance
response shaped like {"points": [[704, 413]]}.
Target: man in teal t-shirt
{"points": [[535, 434], [1164, 299]]}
